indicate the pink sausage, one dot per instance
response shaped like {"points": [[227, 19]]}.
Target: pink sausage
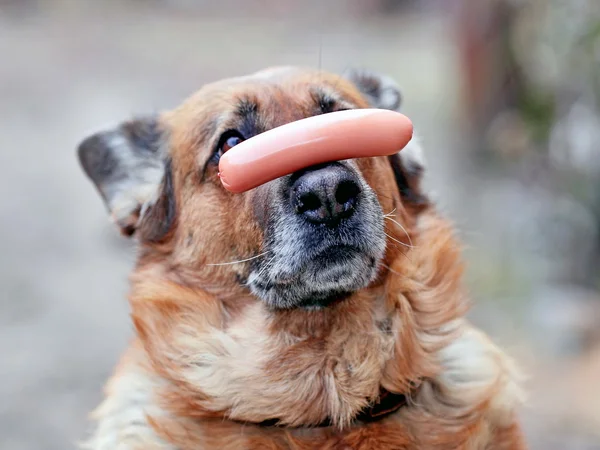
{"points": [[357, 133]]}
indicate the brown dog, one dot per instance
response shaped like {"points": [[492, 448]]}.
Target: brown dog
{"points": [[322, 310]]}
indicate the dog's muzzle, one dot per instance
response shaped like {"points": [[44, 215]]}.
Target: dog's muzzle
{"points": [[324, 237]]}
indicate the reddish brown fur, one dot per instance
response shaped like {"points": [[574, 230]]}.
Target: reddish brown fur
{"points": [[212, 352]]}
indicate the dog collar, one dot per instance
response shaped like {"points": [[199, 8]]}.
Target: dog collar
{"points": [[387, 404]]}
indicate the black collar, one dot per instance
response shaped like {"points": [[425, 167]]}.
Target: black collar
{"points": [[387, 404]]}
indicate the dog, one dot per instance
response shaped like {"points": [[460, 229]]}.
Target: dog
{"points": [[321, 310]]}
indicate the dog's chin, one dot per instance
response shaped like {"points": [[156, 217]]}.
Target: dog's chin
{"points": [[320, 281]]}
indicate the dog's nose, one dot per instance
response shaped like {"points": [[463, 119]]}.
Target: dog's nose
{"points": [[325, 194]]}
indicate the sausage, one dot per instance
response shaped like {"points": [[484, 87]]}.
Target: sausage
{"points": [[336, 136]]}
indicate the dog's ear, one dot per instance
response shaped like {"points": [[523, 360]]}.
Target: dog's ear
{"points": [[409, 164], [379, 90], [129, 167]]}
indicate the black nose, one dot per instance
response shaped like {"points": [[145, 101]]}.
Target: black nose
{"points": [[325, 194]]}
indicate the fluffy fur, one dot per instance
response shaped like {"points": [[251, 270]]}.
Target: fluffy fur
{"points": [[210, 360]]}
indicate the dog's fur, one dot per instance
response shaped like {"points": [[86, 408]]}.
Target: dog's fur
{"points": [[215, 354]]}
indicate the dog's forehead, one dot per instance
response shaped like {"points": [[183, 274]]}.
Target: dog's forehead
{"points": [[279, 84], [277, 96]]}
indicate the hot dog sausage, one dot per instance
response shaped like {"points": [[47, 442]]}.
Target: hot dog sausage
{"points": [[328, 137]]}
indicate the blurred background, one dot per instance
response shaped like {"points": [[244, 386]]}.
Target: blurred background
{"points": [[504, 93]]}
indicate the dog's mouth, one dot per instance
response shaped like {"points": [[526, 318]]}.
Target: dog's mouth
{"points": [[318, 281], [334, 256], [317, 278]]}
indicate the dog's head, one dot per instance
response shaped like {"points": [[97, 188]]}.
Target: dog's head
{"points": [[304, 240]]}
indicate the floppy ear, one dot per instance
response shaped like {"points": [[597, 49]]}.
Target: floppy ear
{"points": [[409, 164], [380, 90], [129, 167]]}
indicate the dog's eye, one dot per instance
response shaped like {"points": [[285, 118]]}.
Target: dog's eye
{"points": [[231, 142], [228, 140]]}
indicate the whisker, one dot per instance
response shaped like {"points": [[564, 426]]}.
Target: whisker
{"points": [[399, 242], [239, 261], [390, 214], [403, 229], [390, 269], [263, 269], [399, 248], [266, 267]]}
